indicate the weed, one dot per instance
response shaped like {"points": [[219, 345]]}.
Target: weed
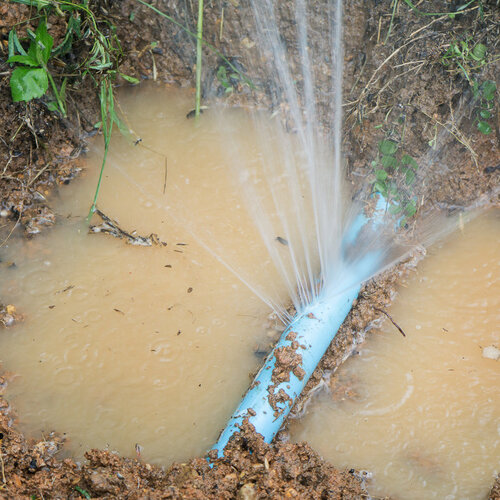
{"points": [[199, 39], [31, 77], [486, 95], [82, 492], [452, 15], [470, 57], [229, 79], [394, 174], [467, 55]]}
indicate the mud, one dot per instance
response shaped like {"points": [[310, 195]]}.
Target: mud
{"points": [[393, 74]]}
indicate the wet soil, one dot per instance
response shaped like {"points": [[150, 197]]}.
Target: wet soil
{"points": [[394, 80]]}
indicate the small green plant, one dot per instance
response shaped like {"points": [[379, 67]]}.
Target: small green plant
{"points": [[31, 77], [84, 493], [199, 45], [395, 173], [451, 15], [228, 78], [485, 93], [469, 57]]}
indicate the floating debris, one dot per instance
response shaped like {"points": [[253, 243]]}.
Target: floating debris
{"points": [[111, 227], [8, 315], [491, 352]]}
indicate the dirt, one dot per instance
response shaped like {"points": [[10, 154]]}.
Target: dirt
{"points": [[395, 86]]}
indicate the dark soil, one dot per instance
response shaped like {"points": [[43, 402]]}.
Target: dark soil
{"points": [[394, 79]]}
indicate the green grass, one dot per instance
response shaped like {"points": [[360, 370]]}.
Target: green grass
{"points": [[33, 72], [199, 45]]}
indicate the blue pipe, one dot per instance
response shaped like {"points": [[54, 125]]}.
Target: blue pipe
{"points": [[300, 348]]}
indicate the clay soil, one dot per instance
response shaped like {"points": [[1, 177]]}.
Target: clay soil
{"points": [[393, 76]]}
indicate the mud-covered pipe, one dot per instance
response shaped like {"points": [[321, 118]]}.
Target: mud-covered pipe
{"points": [[300, 348]]}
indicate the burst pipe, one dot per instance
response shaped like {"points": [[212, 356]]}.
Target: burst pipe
{"points": [[306, 338]]}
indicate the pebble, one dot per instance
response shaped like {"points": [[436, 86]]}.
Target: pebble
{"points": [[4, 213], [491, 352], [247, 492]]}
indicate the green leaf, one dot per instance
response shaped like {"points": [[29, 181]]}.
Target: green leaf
{"points": [[475, 88], [484, 127], [73, 29], [395, 209], [478, 52], [23, 60], [129, 79], [387, 147], [82, 492], [410, 177], [52, 106], [411, 208], [28, 83], [489, 88], [381, 175], [44, 41], [484, 113], [15, 44], [407, 160], [380, 187], [389, 161], [124, 130]]}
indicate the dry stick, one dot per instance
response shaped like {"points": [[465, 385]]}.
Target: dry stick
{"points": [[392, 321], [40, 172], [3, 469], [457, 134], [13, 227]]}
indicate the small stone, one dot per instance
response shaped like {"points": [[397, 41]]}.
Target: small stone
{"points": [[491, 352], [8, 320], [247, 492], [4, 213]]}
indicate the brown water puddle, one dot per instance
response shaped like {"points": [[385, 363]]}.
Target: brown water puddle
{"points": [[125, 345], [422, 412]]}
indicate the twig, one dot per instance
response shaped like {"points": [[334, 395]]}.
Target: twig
{"points": [[199, 58], [391, 320], [457, 134], [13, 227], [40, 172], [3, 469]]}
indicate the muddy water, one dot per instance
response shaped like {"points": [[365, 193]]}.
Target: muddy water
{"points": [[124, 345], [422, 413]]}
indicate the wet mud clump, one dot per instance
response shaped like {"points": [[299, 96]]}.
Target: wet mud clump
{"points": [[288, 360], [250, 469]]}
